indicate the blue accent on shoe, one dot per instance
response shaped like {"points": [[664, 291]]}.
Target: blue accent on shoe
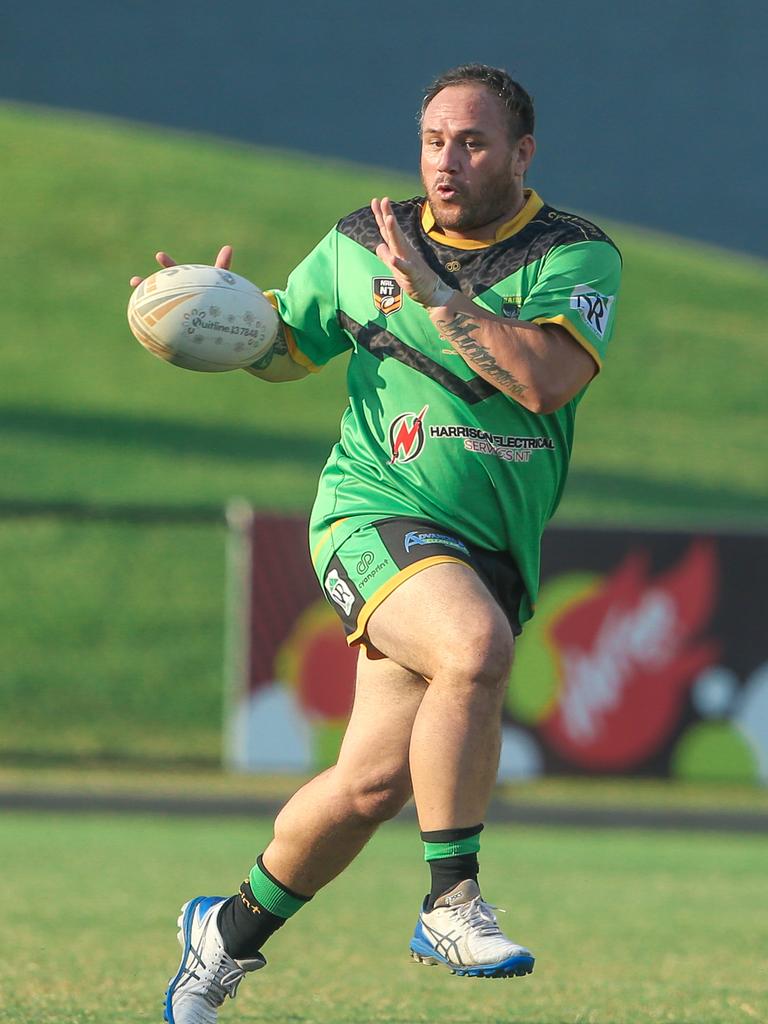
{"points": [[204, 903], [513, 966]]}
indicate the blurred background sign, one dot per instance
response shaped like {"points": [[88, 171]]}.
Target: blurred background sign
{"points": [[647, 655]]}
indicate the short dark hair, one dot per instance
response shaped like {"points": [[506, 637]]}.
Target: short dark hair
{"points": [[517, 103]]}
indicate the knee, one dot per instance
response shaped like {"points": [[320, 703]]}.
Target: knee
{"points": [[377, 798], [481, 655]]}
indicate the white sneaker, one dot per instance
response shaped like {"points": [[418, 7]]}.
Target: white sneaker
{"points": [[206, 974], [461, 932]]}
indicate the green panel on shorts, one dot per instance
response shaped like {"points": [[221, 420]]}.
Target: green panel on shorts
{"points": [[367, 561]]}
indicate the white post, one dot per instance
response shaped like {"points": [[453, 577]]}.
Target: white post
{"points": [[240, 516]]}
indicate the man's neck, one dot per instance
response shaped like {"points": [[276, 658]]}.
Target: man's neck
{"points": [[486, 232]]}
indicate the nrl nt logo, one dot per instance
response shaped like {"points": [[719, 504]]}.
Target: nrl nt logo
{"points": [[387, 295]]}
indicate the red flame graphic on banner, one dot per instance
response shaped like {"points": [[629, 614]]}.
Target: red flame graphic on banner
{"points": [[628, 655]]}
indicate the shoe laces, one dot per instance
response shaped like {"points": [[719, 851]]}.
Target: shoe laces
{"points": [[224, 982], [480, 915]]}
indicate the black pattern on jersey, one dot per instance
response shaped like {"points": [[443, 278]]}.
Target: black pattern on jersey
{"points": [[362, 228], [381, 344], [361, 225], [479, 269]]}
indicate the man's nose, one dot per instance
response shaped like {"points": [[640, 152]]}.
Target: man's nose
{"points": [[448, 157]]}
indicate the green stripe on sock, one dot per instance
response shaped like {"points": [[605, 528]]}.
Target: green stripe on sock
{"points": [[271, 896], [436, 851]]}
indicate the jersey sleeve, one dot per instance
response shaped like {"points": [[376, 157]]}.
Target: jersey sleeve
{"points": [[308, 308], [577, 288]]}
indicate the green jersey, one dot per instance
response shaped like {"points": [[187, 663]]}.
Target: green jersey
{"points": [[423, 435]]}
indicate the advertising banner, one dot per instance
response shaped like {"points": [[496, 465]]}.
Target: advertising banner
{"points": [[647, 655]]}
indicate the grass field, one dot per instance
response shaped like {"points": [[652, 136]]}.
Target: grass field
{"points": [[111, 640], [112, 635], [628, 928]]}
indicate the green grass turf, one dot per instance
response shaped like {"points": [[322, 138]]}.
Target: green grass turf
{"points": [[628, 928], [111, 639], [111, 636]]}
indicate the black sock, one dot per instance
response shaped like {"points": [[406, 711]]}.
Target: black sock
{"points": [[447, 872], [244, 925]]}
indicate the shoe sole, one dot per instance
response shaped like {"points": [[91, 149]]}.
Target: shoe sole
{"points": [[514, 967]]}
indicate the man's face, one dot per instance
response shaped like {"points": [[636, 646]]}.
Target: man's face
{"points": [[472, 171]]}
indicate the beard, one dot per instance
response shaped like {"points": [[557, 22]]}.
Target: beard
{"points": [[470, 209]]}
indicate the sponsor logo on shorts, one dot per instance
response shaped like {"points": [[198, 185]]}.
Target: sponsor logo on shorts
{"points": [[374, 572], [417, 538], [365, 568], [406, 436], [594, 308], [387, 295], [366, 561], [507, 447], [339, 591]]}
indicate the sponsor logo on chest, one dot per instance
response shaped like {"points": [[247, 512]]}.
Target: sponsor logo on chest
{"points": [[507, 447], [406, 436]]}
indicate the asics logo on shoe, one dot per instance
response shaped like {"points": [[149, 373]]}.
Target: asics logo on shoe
{"points": [[454, 897]]}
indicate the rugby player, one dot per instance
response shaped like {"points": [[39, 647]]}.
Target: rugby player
{"points": [[476, 317]]}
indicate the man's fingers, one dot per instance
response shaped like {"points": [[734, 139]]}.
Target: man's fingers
{"points": [[395, 237], [384, 254], [224, 259], [163, 259], [376, 207], [385, 219], [223, 262]]}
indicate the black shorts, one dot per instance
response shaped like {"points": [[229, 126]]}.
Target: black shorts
{"points": [[382, 554]]}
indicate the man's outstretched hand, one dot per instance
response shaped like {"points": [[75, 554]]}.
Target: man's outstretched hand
{"points": [[408, 267], [223, 262]]}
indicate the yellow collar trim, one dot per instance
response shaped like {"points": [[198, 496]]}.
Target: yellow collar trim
{"points": [[528, 211]]}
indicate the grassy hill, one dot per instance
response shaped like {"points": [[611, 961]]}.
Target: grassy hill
{"points": [[110, 636], [671, 431]]}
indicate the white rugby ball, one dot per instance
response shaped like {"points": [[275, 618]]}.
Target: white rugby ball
{"points": [[202, 318]]}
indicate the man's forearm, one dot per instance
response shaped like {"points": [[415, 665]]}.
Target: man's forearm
{"points": [[276, 364], [461, 331], [539, 367]]}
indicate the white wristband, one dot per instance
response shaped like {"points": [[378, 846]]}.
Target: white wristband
{"points": [[442, 294]]}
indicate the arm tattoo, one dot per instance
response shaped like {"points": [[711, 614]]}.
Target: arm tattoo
{"points": [[279, 347], [459, 332]]}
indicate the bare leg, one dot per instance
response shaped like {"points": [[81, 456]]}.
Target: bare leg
{"points": [[444, 625], [327, 822]]}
